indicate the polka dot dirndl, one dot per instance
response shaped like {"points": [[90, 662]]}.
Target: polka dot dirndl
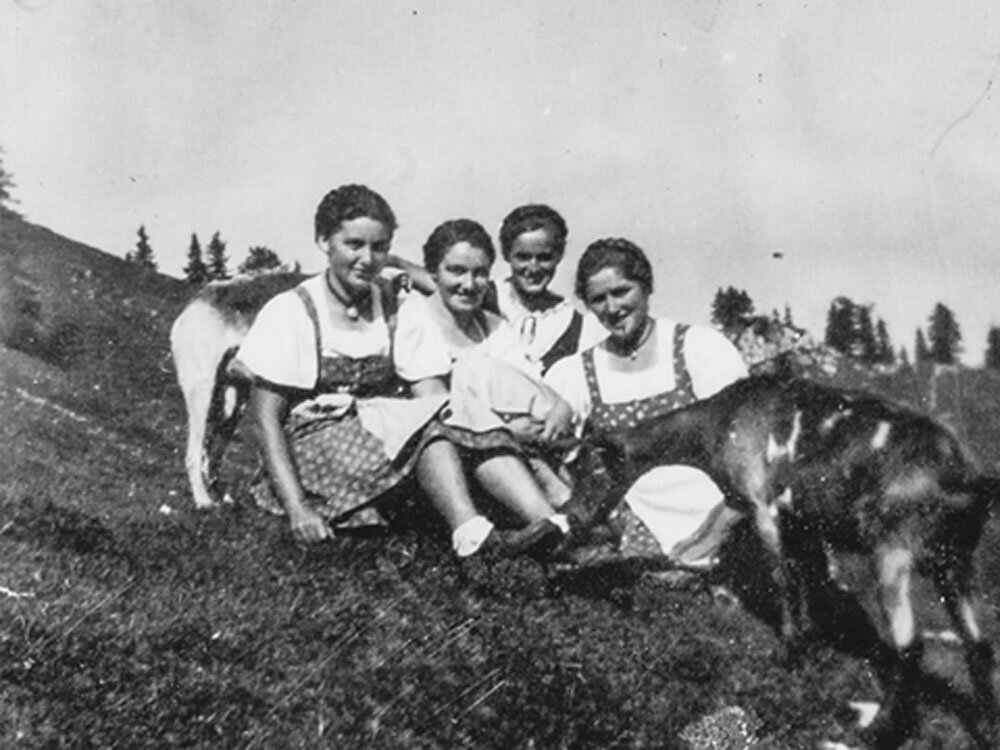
{"points": [[342, 467], [637, 540]]}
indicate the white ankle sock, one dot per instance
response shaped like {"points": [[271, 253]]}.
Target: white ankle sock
{"points": [[468, 537], [560, 520]]}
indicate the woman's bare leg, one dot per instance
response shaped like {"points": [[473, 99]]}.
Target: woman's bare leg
{"points": [[557, 491], [440, 474], [508, 479]]}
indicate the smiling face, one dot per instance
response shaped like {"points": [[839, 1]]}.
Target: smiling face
{"points": [[533, 258], [356, 252], [620, 303], [463, 277]]}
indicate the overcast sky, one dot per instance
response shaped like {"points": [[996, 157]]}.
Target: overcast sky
{"points": [[798, 150]]}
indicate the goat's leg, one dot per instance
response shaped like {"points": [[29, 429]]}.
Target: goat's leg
{"points": [[228, 402], [808, 570], [897, 718], [954, 583], [196, 345], [766, 521], [198, 398]]}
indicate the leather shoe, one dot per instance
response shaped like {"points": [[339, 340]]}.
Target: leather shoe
{"points": [[537, 539]]}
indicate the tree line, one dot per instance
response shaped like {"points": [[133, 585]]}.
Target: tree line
{"points": [[853, 330], [210, 263]]}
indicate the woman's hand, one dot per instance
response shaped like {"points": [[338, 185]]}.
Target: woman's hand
{"points": [[525, 427], [558, 422], [308, 525]]}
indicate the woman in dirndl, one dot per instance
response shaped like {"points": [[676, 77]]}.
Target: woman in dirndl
{"points": [[336, 427], [547, 325], [449, 344], [646, 367]]}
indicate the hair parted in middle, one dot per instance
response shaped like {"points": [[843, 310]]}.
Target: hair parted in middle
{"points": [[351, 202], [451, 233], [528, 218], [618, 253]]}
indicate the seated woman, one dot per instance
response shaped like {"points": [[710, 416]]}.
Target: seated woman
{"points": [[448, 343], [647, 366], [548, 327], [544, 325], [334, 424]]}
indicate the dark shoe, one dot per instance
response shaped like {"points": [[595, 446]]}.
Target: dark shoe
{"points": [[537, 539]]}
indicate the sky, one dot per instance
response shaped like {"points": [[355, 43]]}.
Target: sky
{"points": [[797, 150]]}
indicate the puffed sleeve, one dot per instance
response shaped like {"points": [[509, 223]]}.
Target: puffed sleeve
{"points": [[712, 361], [280, 346], [419, 349], [566, 378]]}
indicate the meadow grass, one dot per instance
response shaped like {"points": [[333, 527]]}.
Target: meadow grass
{"points": [[130, 620]]}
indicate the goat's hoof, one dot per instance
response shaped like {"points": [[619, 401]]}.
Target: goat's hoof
{"points": [[205, 504]]}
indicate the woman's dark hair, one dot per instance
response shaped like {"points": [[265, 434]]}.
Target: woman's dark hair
{"points": [[351, 202], [528, 218], [614, 252], [451, 233]]}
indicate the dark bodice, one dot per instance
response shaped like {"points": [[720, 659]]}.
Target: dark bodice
{"points": [[606, 417]]}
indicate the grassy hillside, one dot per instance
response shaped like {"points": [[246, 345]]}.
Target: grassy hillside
{"points": [[128, 620]]}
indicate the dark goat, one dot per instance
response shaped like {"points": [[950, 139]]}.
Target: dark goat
{"points": [[843, 470]]}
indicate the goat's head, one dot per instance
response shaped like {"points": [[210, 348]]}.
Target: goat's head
{"points": [[598, 469]]}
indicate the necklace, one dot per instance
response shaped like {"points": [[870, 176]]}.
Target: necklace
{"points": [[350, 307], [633, 351]]}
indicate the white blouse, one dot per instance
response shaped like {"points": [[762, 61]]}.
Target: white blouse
{"points": [[712, 362], [428, 341], [280, 346], [538, 330]]}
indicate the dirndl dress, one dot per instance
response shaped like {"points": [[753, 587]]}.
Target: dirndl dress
{"points": [[359, 433], [637, 540]]}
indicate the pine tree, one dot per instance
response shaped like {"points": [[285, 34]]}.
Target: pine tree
{"points": [[865, 345], [885, 354], [217, 260], [788, 317], [944, 335], [260, 259], [993, 348], [840, 326], [921, 353], [7, 200], [731, 309], [143, 253], [195, 272]]}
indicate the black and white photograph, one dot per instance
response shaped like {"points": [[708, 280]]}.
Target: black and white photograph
{"points": [[554, 375]]}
